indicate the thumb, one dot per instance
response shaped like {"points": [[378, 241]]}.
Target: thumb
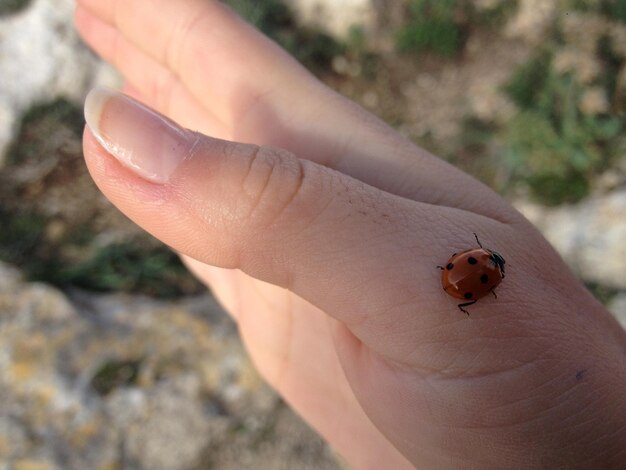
{"points": [[327, 237]]}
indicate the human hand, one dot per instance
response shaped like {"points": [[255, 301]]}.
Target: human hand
{"points": [[325, 254]]}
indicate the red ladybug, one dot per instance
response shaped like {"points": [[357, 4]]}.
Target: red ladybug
{"points": [[472, 274]]}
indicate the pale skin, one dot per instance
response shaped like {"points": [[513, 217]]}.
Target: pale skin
{"points": [[323, 246]]}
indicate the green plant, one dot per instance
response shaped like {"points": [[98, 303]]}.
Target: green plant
{"points": [[550, 143], [431, 27], [529, 79], [127, 267], [130, 268], [614, 9]]}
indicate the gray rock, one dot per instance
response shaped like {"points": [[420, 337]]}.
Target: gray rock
{"points": [[167, 426], [335, 18], [120, 381], [591, 235], [533, 20], [41, 58]]}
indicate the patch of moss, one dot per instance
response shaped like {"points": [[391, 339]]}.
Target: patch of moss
{"points": [[58, 110], [20, 236], [40, 123], [116, 374]]}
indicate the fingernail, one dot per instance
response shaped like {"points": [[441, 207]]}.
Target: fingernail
{"points": [[140, 138]]}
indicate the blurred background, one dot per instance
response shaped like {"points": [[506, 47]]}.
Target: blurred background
{"points": [[112, 356]]}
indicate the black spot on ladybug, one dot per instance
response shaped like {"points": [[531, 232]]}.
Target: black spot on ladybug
{"points": [[449, 266], [468, 295], [484, 279], [472, 260]]}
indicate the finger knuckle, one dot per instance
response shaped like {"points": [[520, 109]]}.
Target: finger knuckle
{"points": [[272, 185]]}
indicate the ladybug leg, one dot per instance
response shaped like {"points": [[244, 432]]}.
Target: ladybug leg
{"points": [[466, 304], [494, 293], [440, 267]]}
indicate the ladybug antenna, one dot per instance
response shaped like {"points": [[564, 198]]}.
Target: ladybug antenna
{"points": [[478, 241]]}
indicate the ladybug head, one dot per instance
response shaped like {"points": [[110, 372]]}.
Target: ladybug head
{"points": [[498, 260]]}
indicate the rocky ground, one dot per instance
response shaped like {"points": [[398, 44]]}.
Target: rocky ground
{"points": [[111, 356], [96, 380], [125, 381]]}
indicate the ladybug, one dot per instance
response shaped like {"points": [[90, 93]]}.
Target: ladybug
{"points": [[472, 274]]}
